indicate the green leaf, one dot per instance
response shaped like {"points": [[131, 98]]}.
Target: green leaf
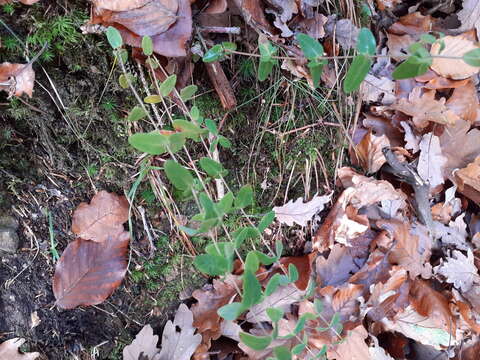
{"points": [[224, 250], [229, 45], [168, 85], [356, 74], [252, 290], [212, 265], [123, 80], [152, 143], [211, 126], [251, 262], [226, 202], [472, 57], [427, 38], [316, 69], [114, 37], [265, 259], [136, 114], [188, 231], [213, 168], [195, 113], [231, 311], [147, 45], [188, 92], [189, 129], [317, 303], [123, 54], [244, 233], [275, 281], [413, 66], [266, 221], [278, 248], [275, 314], [244, 197], [255, 342], [292, 273], [311, 48], [152, 99], [366, 43], [178, 175], [267, 50], [297, 349], [215, 53], [302, 320], [264, 69], [208, 206], [177, 141], [282, 353], [222, 140]]}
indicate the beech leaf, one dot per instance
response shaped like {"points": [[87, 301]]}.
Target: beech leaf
{"points": [[9, 350], [88, 272]]}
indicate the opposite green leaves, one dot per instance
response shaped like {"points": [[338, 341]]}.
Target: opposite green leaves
{"points": [[267, 51], [313, 51]]}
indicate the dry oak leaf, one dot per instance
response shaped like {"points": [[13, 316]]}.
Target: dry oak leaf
{"points": [[408, 250], [17, 79], [205, 316], [9, 350], [412, 24], [369, 151], [455, 46], [144, 344], [464, 102], [299, 212], [88, 272], [179, 345], [454, 234], [459, 270], [468, 180], [373, 88], [460, 146], [283, 11], [424, 108], [353, 346], [102, 218]]}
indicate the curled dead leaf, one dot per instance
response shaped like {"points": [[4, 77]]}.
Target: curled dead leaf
{"points": [[17, 79]]}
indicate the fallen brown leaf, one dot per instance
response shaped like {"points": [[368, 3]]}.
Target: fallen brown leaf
{"points": [[102, 218], [144, 344], [455, 46], [9, 350], [369, 152], [468, 180], [88, 272], [464, 102], [17, 79]]}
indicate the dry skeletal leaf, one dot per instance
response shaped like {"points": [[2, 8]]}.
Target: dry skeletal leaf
{"points": [[431, 160], [299, 212], [88, 272], [459, 270], [469, 16], [375, 89], [282, 298], [464, 102], [17, 79], [179, 345], [460, 146], [283, 10], [455, 46], [369, 151], [9, 350], [468, 180], [424, 108], [412, 140], [144, 344], [102, 218], [454, 234], [209, 301]]}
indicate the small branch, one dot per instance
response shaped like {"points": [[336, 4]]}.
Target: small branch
{"points": [[220, 29]]}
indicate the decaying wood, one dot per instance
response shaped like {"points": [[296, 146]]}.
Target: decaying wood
{"points": [[221, 84]]}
